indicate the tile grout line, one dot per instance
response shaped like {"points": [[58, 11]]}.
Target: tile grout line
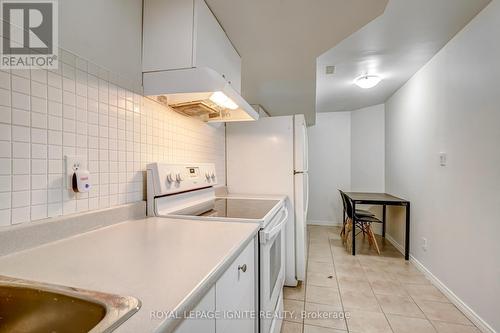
{"points": [[11, 153], [378, 303], [338, 284], [411, 298]]}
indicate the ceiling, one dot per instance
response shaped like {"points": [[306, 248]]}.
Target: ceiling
{"points": [[279, 41], [394, 46]]}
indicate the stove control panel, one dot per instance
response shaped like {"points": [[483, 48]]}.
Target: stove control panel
{"points": [[164, 178]]}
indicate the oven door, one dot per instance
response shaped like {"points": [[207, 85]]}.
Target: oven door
{"points": [[272, 269]]}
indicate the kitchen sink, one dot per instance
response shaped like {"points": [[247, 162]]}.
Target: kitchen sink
{"points": [[34, 307]]}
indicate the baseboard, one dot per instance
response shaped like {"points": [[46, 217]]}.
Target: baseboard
{"points": [[398, 246], [461, 305], [324, 222]]}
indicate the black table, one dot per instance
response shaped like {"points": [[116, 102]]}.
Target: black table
{"points": [[381, 199]]}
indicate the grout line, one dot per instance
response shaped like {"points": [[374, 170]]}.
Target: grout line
{"points": [[371, 288], [11, 152], [338, 284]]}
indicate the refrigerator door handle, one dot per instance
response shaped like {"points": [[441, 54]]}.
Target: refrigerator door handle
{"points": [[306, 208], [305, 148]]}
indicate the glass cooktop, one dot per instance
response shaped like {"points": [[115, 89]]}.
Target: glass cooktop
{"points": [[254, 209]]}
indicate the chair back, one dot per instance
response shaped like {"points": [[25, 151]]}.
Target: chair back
{"points": [[347, 204]]}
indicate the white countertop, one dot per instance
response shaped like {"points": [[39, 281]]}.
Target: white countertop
{"points": [[167, 264]]}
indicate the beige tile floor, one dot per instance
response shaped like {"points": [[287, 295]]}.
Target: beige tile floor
{"points": [[379, 293]]}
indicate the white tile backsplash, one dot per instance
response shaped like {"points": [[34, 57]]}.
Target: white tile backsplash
{"points": [[5, 200], [20, 117], [20, 84], [5, 113], [21, 166], [20, 199], [21, 149], [21, 100], [4, 80], [5, 183], [20, 134], [5, 132], [76, 110], [5, 97], [5, 164], [38, 120]]}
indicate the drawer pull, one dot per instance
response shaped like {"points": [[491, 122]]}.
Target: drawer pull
{"points": [[242, 268]]}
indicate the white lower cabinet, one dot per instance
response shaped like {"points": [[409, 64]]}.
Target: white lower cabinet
{"points": [[233, 298], [235, 294], [200, 325]]}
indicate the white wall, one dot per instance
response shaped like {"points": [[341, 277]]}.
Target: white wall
{"points": [[108, 33], [329, 166], [368, 154], [452, 105], [346, 152], [368, 149]]}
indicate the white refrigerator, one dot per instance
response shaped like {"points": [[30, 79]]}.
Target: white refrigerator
{"points": [[269, 157]]}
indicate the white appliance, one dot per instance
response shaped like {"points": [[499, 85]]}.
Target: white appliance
{"points": [[190, 64], [269, 156], [186, 191], [200, 93]]}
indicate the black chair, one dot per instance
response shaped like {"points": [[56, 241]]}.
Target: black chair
{"points": [[360, 212], [362, 219]]}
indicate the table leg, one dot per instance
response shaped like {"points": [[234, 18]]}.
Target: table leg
{"points": [[407, 232], [353, 228], [383, 220]]}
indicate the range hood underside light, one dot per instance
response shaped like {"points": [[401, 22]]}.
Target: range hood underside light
{"points": [[203, 107], [223, 101], [197, 86]]}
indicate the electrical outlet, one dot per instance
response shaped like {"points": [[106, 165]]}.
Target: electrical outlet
{"points": [[73, 163], [424, 244]]}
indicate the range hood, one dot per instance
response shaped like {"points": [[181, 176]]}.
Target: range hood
{"points": [[198, 92]]}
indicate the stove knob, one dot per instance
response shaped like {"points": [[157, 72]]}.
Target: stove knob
{"points": [[179, 178], [207, 176], [170, 178], [213, 176]]}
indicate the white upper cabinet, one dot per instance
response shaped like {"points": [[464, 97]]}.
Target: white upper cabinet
{"points": [[213, 48], [179, 34]]}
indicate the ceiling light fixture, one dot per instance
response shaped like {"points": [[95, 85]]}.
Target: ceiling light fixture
{"points": [[222, 100], [367, 81]]}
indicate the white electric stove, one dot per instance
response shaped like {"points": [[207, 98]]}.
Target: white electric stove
{"points": [[186, 191]]}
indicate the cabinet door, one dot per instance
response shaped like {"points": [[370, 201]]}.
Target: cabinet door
{"points": [[235, 294], [213, 48], [167, 35], [201, 325]]}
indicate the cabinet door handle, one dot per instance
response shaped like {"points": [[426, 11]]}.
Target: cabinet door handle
{"points": [[242, 268]]}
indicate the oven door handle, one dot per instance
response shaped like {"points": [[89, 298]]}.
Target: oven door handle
{"points": [[266, 236]]}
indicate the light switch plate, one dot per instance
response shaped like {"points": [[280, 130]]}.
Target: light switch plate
{"points": [[443, 159], [424, 244], [73, 163]]}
